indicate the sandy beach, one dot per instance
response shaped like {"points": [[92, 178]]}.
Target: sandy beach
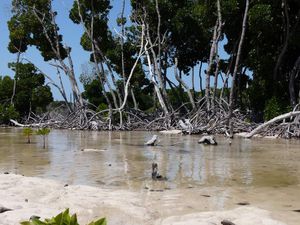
{"points": [[28, 196]]}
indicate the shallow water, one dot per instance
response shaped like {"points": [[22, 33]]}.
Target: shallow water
{"points": [[263, 172]]}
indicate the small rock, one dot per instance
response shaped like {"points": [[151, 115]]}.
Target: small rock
{"points": [[296, 210], [109, 164], [227, 222], [243, 203], [6, 172], [34, 217], [66, 185], [206, 196], [26, 200], [3, 209]]}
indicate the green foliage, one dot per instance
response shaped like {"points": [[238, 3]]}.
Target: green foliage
{"points": [[63, 218], [26, 30], [273, 108], [188, 25], [6, 89], [7, 112], [31, 93], [43, 132], [177, 94], [98, 10], [186, 28], [93, 93], [27, 131], [102, 106]]}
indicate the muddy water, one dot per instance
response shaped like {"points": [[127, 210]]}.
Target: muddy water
{"points": [[260, 172]]}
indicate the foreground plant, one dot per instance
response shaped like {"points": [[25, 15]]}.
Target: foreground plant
{"points": [[63, 218], [43, 132], [27, 131]]}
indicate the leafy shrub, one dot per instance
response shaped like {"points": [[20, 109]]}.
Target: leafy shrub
{"points": [[27, 132], [273, 108], [7, 112], [43, 132], [63, 218]]}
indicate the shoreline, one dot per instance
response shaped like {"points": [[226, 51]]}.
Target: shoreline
{"points": [[29, 196], [176, 132]]}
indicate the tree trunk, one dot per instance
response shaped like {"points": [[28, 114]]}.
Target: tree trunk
{"points": [[215, 83], [193, 81], [210, 64], [286, 41], [184, 84], [231, 99], [133, 99], [292, 77], [200, 79], [157, 90], [219, 33], [122, 46], [44, 141], [16, 74], [55, 47], [157, 58]]}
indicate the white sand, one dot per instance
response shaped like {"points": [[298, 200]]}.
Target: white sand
{"points": [[47, 198]]}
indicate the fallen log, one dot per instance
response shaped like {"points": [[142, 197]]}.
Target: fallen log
{"points": [[16, 123], [272, 121]]}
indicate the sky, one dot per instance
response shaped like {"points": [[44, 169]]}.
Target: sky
{"points": [[71, 37]]}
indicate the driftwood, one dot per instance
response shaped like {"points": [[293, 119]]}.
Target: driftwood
{"points": [[4, 209], [152, 141], [33, 124], [92, 150], [227, 222], [198, 121], [272, 121], [155, 174], [208, 140]]}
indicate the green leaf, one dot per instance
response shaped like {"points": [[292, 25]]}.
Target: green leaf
{"points": [[26, 223], [73, 220], [101, 221]]}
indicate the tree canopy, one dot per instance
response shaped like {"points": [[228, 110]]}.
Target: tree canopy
{"points": [[250, 50]]}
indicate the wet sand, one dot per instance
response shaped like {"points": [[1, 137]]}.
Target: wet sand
{"points": [[28, 196]]}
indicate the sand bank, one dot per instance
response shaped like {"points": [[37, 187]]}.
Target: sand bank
{"points": [[29, 196]]}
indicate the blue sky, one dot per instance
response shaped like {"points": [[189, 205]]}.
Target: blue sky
{"points": [[71, 37]]}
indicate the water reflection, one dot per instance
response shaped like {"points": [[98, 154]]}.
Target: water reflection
{"points": [[127, 163]]}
